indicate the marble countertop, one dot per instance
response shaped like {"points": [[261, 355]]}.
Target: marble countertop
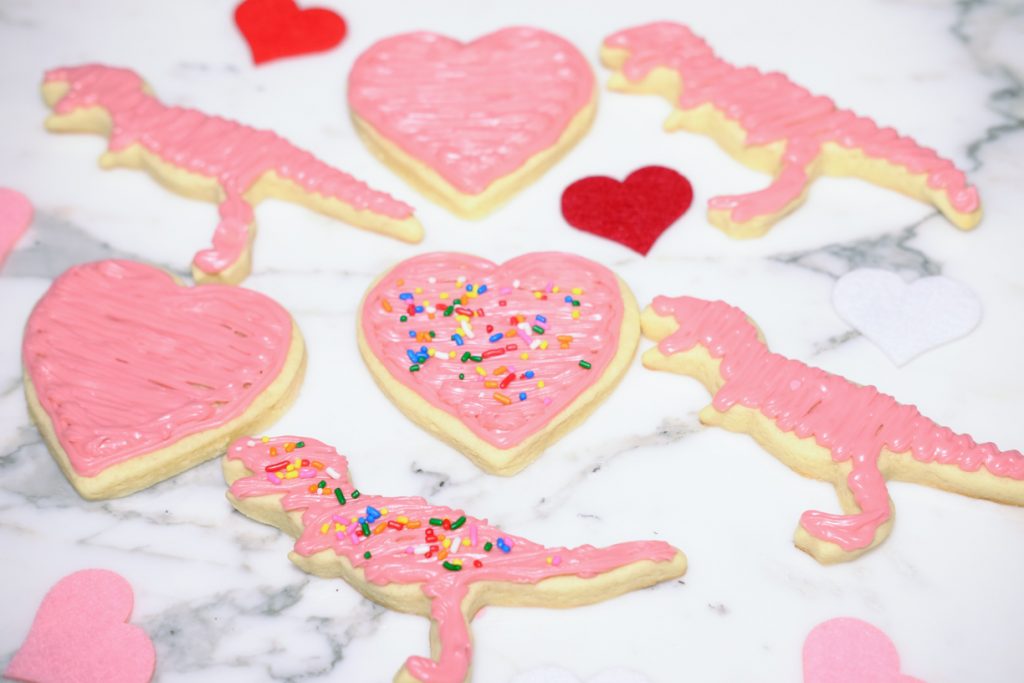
{"points": [[216, 591]]}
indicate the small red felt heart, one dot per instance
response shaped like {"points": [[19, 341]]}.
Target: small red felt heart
{"points": [[634, 212], [278, 28]]}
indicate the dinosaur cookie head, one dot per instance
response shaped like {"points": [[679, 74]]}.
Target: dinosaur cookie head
{"points": [[67, 89]]}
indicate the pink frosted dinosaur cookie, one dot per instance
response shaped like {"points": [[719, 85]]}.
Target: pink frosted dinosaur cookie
{"points": [[211, 158], [133, 378], [498, 360], [471, 124], [773, 125], [822, 425], [410, 556]]}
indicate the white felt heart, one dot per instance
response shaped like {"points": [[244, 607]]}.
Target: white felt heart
{"points": [[905, 319]]}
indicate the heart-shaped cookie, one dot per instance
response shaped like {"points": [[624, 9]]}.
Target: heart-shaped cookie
{"points": [[847, 650], [133, 378], [498, 360], [905, 320], [80, 634], [279, 28], [634, 212], [469, 124], [15, 216]]}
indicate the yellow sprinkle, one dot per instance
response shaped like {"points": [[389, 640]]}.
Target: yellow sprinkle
{"points": [[354, 519], [447, 543], [383, 511], [480, 371], [280, 475], [339, 527], [471, 295], [556, 289], [418, 290], [443, 295], [549, 559], [325, 527], [543, 345], [577, 291], [426, 304], [460, 317], [465, 541], [451, 354], [431, 352], [540, 384], [292, 475], [537, 295], [524, 356], [458, 561], [575, 314], [401, 519], [264, 439]]}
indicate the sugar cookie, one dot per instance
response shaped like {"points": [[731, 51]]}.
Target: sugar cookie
{"points": [[410, 556], [133, 378], [471, 124], [822, 425], [498, 360], [773, 125], [211, 158]]}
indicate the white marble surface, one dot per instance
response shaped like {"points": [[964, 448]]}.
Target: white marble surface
{"points": [[216, 591]]}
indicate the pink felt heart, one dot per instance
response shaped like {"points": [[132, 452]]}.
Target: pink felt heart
{"points": [[15, 217], [847, 650], [125, 361], [471, 112], [504, 349], [80, 635]]}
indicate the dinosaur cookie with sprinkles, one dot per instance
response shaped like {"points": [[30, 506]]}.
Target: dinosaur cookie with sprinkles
{"points": [[773, 125], [821, 425], [410, 556], [498, 360], [215, 159]]}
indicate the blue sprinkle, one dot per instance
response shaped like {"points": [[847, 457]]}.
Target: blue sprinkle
{"points": [[567, 299], [406, 296], [411, 354], [528, 374], [457, 338], [419, 309], [423, 349], [481, 289], [370, 510], [412, 333], [362, 520], [469, 288], [540, 319], [522, 395], [496, 337]]}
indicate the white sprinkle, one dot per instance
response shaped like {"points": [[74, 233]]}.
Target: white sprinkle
{"points": [[333, 473]]}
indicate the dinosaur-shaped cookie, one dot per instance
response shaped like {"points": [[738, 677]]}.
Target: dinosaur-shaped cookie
{"points": [[822, 425], [211, 158], [411, 556], [773, 125]]}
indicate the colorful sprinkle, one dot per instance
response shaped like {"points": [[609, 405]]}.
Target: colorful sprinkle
{"points": [[585, 364]]}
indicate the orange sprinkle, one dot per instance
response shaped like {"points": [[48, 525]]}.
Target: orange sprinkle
{"points": [[566, 338], [502, 398], [490, 384], [312, 488], [414, 524], [379, 529], [273, 450], [289, 447], [400, 282], [386, 305], [500, 370], [317, 465], [442, 554]]}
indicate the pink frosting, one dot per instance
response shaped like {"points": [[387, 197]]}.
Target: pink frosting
{"points": [[529, 286], [15, 217], [126, 362], [847, 650], [236, 155], [399, 555], [853, 422], [771, 108], [473, 112]]}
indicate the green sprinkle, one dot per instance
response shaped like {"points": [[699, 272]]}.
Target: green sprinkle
{"points": [[466, 356], [452, 567], [432, 334], [575, 302], [462, 375], [459, 522], [300, 444], [458, 302], [488, 546], [321, 484], [366, 529], [340, 496], [414, 367], [355, 493], [404, 318], [448, 311], [476, 359], [538, 329], [434, 521], [366, 555], [585, 364]]}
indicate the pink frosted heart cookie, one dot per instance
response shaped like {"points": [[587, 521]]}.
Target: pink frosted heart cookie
{"points": [[849, 650], [498, 360], [470, 124], [15, 216], [133, 378], [80, 634]]}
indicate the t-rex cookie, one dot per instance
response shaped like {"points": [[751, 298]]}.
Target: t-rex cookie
{"points": [[773, 125], [211, 158], [471, 124], [498, 360], [410, 556], [133, 378], [822, 425]]}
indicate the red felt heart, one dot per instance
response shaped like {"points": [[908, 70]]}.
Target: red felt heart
{"points": [[634, 212], [278, 28]]}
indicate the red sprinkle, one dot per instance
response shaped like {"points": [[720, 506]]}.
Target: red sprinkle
{"points": [[411, 309], [490, 328], [276, 466], [395, 525], [491, 353], [480, 312], [502, 302], [477, 563], [507, 380], [512, 320], [305, 463], [446, 524], [462, 310], [511, 347]]}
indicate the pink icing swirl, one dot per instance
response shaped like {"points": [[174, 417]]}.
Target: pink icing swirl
{"points": [[399, 555], [236, 155], [472, 112], [125, 361], [853, 422], [514, 288], [771, 108]]}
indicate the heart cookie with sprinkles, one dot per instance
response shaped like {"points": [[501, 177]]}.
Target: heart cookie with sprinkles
{"points": [[133, 378], [498, 360]]}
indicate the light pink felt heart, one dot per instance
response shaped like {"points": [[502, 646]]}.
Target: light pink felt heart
{"points": [[472, 112], [15, 217], [125, 361], [847, 650], [80, 635], [506, 350]]}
